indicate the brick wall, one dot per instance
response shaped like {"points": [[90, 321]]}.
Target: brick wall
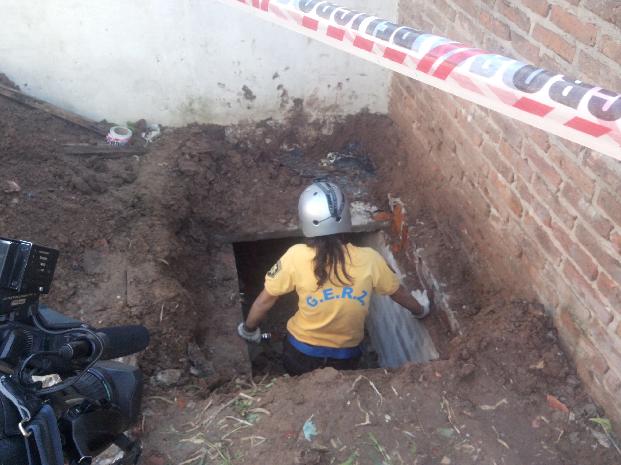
{"points": [[540, 211]]}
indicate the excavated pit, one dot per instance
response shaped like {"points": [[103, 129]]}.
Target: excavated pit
{"points": [[148, 240], [392, 336]]}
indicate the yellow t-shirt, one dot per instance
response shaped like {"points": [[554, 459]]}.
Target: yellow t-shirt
{"points": [[333, 315]]}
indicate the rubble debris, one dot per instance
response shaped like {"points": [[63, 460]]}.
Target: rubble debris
{"points": [[11, 187], [169, 377]]}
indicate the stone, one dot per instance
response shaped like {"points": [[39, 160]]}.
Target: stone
{"points": [[200, 365], [588, 410], [169, 377], [11, 187], [574, 437], [466, 372]]}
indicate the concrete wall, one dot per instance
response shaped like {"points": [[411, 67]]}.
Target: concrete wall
{"points": [[182, 61], [538, 210]]}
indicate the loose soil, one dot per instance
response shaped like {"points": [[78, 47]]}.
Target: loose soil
{"points": [[148, 240]]}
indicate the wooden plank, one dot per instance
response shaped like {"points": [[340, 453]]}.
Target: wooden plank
{"points": [[53, 110]]}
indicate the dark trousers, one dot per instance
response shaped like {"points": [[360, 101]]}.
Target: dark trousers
{"points": [[297, 363]]}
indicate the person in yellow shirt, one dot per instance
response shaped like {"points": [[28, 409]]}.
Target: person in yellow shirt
{"points": [[334, 281]]}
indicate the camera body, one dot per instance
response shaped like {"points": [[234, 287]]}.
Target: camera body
{"points": [[26, 272], [96, 400]]}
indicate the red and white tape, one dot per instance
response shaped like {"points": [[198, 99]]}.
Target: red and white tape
{"points": [[586, 114]]}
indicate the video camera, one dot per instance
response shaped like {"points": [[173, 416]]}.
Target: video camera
{"points": [[91, 403]]}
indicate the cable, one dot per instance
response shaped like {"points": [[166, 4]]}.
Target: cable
{"points": [[65, 384]]}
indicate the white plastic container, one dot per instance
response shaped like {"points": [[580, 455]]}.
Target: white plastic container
{"points": [[119, 135]]}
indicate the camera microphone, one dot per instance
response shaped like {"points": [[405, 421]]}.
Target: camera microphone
{"points": [[118, 341], [76, 349]]}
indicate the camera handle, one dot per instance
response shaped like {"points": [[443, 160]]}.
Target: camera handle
{"points": [[38, 425]]}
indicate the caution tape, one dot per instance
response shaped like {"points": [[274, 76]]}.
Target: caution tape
{"points": [[586, 114]]}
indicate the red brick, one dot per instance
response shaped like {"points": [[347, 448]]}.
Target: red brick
{"points": [[550, 199], [515, 15], [547, 171], [499, 28], [541, 7], [538, 233], [615, 238], [609, 289], [541, 212], [572, 147], [540, 138], [575, 172], [525, 47], [609, 263], [584, 208], [580, 312], [533, 258], [568, 326], [474, 135], [610, 205], [592, 358], [473, 30], [490, 192], [438, 19], [548, 293], [551, 61], [612, 384], [576, 252], [610, 10], [479, 206], [493, 155], [606, 169], [584, 32], [476, 166], [606, 341], [555, 43], [509, 198], [509, 131], [446, 9], [524, 192], [586, 292], [602, 313], [467, 5], [611, 47], [483, 122], [593, 69], [493, 43]]}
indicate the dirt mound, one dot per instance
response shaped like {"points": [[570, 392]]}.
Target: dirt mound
{"points": [[506, 395]]}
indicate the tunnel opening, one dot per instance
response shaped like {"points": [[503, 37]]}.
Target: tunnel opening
{"points": [[392, 336]]}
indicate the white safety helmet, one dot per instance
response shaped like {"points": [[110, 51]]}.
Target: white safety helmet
{"points": [[324, 210]]}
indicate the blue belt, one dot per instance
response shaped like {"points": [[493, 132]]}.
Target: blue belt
{"points": [[341, 353]]}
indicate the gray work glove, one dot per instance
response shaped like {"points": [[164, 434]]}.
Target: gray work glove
{"points": [[250, 336], [423, 300]]}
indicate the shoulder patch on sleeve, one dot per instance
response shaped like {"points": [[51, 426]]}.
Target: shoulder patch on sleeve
{"points": [[274, 270]]}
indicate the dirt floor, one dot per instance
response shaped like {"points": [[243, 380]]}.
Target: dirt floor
{"points": [[148, 239]]}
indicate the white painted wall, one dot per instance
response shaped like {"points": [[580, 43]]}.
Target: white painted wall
{"points": [[179, 61]]}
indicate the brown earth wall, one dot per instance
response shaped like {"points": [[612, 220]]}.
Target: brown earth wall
{"points": [[543, 213]]}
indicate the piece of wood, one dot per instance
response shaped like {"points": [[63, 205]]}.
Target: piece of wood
{"points": [[53, 110], [105, 150]]}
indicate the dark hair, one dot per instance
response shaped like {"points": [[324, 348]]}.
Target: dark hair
{"points": [[329, 261]]}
